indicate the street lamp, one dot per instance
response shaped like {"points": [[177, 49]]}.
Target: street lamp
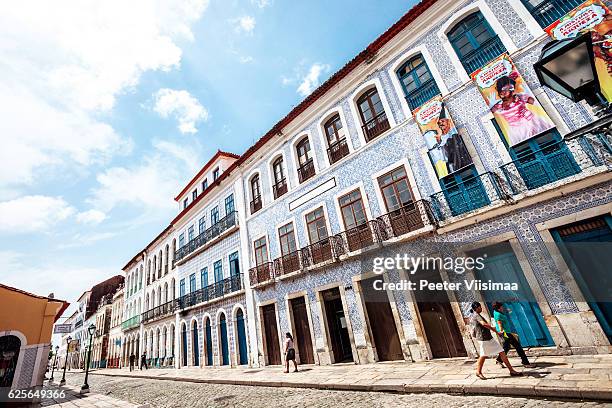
{"points": [[568, 67], [54, 361], [91, 330], [68, 340]]}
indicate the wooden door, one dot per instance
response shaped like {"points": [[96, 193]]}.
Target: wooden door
{"points": [[271, 333], [337, 326], [302, 330], [381, 321]]}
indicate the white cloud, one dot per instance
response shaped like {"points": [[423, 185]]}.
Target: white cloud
{"points": [[33, 213], [261, 3], [286, 80], [181, 105], [63, 66], [83, 240], [245, 59], [312, 79], [91, 217], [244, 24]]}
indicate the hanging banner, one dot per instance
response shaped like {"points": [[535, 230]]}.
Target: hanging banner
{"points": [[593, 16], [446, 148], [517, 112]]}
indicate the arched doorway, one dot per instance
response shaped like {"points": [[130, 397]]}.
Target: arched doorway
{"points": [[209, 342], [184, 344], [242, 342], [9, 354], [195, 349], [223, 340]]}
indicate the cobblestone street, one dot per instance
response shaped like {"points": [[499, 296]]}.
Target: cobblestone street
{"points": [[163, 393]]}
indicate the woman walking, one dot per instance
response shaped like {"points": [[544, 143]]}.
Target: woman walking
{"points": [[487, 346], [289, 353], [508, 333]]}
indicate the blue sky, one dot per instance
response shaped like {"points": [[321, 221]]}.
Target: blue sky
{"points": [[108, 108]]}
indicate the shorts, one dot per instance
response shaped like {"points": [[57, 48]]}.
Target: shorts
{"points": [[291, 354]]}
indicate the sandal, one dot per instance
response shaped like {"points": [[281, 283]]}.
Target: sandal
{"points": [[482, 377], [515, 374]]}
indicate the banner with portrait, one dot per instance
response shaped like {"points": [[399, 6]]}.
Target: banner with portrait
{"points": [[446, 148], [517, 112], [593, 16]]}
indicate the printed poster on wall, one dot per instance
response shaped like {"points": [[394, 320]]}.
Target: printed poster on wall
{"points": [[593, 16], [446, 148], [517, 112]]}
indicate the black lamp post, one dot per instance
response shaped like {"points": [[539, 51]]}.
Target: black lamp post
{"points": [[91, 330], [54, 361], [568, 67], [68, 340]]}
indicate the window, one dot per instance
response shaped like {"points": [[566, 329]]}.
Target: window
{"points": [[234, 264], [202, 225], [204, 277], [215, 174], [417, 82], [280, 182], [192, 283], [261, 251], [256, 203], [182, 240], [204, 184], [336, 142], [372, 114], [286, 237], [214, 215], [305, 162], [475, 42], [351, 207], [547, 12], [229, 204], [190, 233], [218, 268], [182, 287], [316, 226], [194, 195], [395, 189], [185, 203]]}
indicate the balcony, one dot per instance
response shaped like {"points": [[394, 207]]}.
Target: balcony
{"points": [[208, 235], [549, 11], [261, 273], [376, 126], [78, 324], [489, 50], [256, 204], [337, 150], [317, 253], [409, 218], [422, 94], [279, 189], [287, 263], [358, 238], [306, 171], [160, 311], [211, 292], [468, 195], [131, 323]]}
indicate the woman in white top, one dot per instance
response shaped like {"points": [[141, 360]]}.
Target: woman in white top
{"points": [[289, 353]]}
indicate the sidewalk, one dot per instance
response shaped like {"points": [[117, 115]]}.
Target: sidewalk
{"points": [[74, 399], [582, 377]]}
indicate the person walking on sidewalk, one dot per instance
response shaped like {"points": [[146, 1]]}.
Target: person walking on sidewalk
{"points": [[487, 346], [143, 361], [289, 353], [132, 360], [509, 336]]}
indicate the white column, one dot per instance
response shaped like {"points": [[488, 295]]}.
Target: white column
{"points": [[177, 352]]}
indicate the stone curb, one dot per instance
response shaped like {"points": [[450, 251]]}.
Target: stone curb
{"points": [[479, 388]]}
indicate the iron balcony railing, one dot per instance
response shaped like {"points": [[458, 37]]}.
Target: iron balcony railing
{"points": [[360, 237], [337, 150], [209, 234], [256, 204], [490, 49], [131, 322], [78, 324], [261, 273], [549, 11], [376, 126], [162, 310], [280, 188], [288, 263], [213, 291], [317, 253], [422, 94], [468, 195], [408, 218], [306, 170]]}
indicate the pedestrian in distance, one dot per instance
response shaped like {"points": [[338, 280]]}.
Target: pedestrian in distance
{"points": [[143, 361], [289, 353], [132, 360], [509, 336], [487, 345]]}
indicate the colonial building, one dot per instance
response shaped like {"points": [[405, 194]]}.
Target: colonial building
{"points": [[115, 334]]}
